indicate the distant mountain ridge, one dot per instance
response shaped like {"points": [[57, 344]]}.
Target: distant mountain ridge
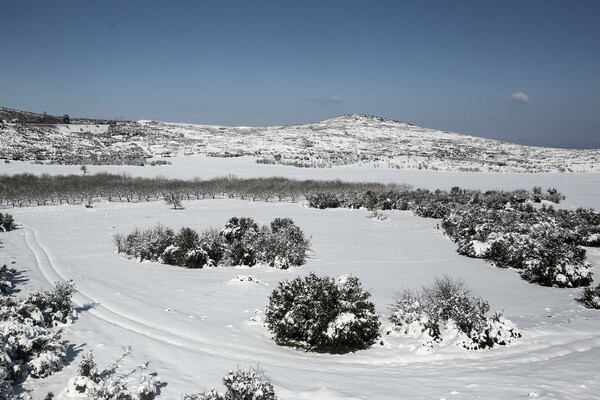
{"points": [[348, 139], [11, 115]]}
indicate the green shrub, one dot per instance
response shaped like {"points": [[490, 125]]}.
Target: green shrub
{"points": [[322, 315]]}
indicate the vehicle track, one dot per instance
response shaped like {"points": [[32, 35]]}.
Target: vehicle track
{"points": [[535, 351], [112, 317]]}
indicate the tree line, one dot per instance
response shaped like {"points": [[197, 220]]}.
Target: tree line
{"points": [[37, 190]]}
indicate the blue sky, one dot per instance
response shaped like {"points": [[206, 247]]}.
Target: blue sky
{"points": [[520, 71]]}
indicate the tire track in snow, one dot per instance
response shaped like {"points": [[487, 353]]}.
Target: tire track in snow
{"points": [[115, 318], [554, 347], [231, 353]]}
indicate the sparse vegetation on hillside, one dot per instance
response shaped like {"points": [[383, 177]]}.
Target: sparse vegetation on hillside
{"points": [[373, 140]]}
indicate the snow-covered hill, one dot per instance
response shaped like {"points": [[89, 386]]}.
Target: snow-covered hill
{"points": [[349, 139]]}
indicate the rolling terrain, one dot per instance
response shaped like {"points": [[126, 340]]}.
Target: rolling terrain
{"points": [[349, 139]]}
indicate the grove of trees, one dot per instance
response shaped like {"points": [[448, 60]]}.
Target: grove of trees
{"points": [[281, 244]]}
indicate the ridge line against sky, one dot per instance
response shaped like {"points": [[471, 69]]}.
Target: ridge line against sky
{"points": [[517, 71]]}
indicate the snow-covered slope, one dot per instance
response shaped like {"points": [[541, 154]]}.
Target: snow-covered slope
{"points": [[348, 139], [195, 325]]}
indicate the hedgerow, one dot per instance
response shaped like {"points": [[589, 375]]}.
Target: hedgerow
{"points": [[543, 244], [241, 242], [503, 227]]}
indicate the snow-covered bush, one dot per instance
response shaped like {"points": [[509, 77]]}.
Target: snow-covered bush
{"points": [[591, 297], [110, 384], [213, 394], [555, 263], [240, 236], [283, 245], [451, 300], [240, 242], [446, 312], [7, 275], [323, 201], [248, 385], [7, 223], [56, 306], [29, 343], [186, 250], [147, 244], [252, 384], [543, 244], [322, 314]]}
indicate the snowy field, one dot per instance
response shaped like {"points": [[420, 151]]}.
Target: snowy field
{"points": [[195, 325], [582, 189]]}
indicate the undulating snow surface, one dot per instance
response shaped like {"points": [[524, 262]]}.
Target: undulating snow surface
{"points": [[195, 325], [338, 141]]}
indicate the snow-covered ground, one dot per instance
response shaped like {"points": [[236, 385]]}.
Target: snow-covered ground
{"points": [[195, 325], [581, 189], [338, 141]]}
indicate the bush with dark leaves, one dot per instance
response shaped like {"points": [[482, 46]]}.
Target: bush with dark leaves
{"points": [[323, 315]]}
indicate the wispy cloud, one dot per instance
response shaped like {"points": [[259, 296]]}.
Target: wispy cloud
{"points": [[335, 100], [327, 100], [520, 97]]}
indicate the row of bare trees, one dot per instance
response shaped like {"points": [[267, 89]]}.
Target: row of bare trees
{"points": [[38, 190]]}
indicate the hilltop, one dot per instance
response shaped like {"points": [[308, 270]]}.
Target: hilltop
{"points": [[348, 139]]}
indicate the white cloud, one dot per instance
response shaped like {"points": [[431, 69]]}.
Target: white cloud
{"points": [[520, 97], [326, 100]]}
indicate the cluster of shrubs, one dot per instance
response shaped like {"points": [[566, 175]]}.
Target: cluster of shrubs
{"points": [[110, 384], [424, 202], [323, 315], [241, 242], [544, 244], [501, 226], [446, 312], [252, 384], [7, 223], [30, 343]]}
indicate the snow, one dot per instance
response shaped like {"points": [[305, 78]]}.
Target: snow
{"points": [[338, 141], [212, 324], [81, 128], [581, 189], [340, 324]]}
